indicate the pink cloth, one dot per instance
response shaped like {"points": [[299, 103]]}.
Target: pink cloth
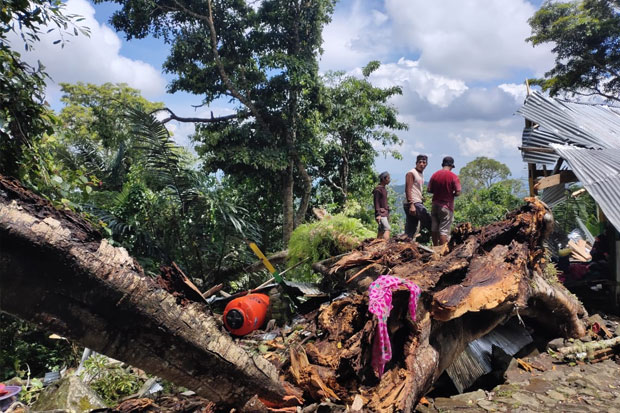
{"points": [[380, 304]]}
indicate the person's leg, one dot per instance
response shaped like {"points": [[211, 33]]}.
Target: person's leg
{"points": [[424, 218], [411, 222], [407, 220], [385, 226], [445, 225], [435, 224]]}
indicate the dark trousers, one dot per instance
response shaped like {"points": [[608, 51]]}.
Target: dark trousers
{"points": [[422, 216]]}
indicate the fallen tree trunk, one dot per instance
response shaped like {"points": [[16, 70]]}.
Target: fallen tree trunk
{"points": [[487, 276], [57, 272]]}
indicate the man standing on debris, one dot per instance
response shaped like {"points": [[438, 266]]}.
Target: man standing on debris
{"points": [[415, 211], [444, 185], [382, 209]]}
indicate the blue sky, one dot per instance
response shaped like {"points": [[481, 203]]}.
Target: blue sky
{"points": [[461, 64]]}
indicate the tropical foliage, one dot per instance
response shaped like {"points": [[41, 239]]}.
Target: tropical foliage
{"points": [[264, 57], [24, 118], [328, 237], [581, 206], [482, 172], [29, 352], [585, 36], [357, 115], [486, 205]]}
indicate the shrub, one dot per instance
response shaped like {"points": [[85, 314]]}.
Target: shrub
{"points": [[322, 239]]}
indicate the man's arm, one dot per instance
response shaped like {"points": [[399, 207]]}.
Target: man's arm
{"points": [[457, 186], [377, 203], [409, 180]]}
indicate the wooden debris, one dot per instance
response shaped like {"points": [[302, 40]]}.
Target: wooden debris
{"points": [[587, 351], [482, 278], [579, 251]]}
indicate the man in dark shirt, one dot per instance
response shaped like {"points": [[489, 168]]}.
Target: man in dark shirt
{"points": [[382, 209], [444, 185]]}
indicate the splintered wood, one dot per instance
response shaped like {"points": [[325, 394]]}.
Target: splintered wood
{"points": [[485, 276]]}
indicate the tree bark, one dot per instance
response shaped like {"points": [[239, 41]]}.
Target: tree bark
{"points": [[288, 211], [488, 276], [57, 272]]}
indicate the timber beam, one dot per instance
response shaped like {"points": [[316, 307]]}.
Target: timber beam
{"points": [[556, 179]]}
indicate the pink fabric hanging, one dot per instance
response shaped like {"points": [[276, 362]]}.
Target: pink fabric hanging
{"points": [[380, 304]]}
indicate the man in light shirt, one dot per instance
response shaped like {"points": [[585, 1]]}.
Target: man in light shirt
{"points": [[415, 211]]}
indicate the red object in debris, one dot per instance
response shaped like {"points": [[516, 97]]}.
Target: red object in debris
{"points": [[3, 389], [246, 314]]}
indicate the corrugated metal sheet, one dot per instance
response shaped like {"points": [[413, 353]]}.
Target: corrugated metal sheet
{"points": [[586, 231], [576, 124], [554, 195], [587, 137], [476, 360], [599, 172], [541, 139]]}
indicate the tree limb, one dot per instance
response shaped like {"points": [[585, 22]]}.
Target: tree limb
{"points": [[212, 119], [225, 78]]}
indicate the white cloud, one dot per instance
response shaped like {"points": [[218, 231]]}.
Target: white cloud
{"points": [[485, 145], [468, 39], [95, 59], [435, 89], [355, 36], [518, 91]]}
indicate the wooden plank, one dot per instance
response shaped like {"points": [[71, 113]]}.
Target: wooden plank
{"points": [[536, 149], [562, 177], [531, 171]]}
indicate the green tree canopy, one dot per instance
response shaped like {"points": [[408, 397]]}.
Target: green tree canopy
{"points": [[263, 56], [357, 114], [481, 173], [24, 118], [486, 205], [97, 132], [586, 41]]}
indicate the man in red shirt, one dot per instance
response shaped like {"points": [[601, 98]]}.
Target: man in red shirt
{"points": [[444, 185], [382, 209]]}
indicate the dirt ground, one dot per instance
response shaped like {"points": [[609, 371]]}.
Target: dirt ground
{"points": [[549, 387]]}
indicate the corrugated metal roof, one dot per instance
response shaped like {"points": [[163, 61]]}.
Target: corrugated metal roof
{"points": [[541, 139], [599, 172], [576, 124], [554, 195], [587, 137]]}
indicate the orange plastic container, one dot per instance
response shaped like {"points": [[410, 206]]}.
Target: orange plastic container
{"points": [[245, 314]]}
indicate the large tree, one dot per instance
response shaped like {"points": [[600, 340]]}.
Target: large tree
{"points": [[482, 172], [96, 129], [357, 115], [586, 41], [24, 118], [263, 57]]}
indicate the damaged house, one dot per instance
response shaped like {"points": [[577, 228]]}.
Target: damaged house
{"points": [[567, 142]]}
